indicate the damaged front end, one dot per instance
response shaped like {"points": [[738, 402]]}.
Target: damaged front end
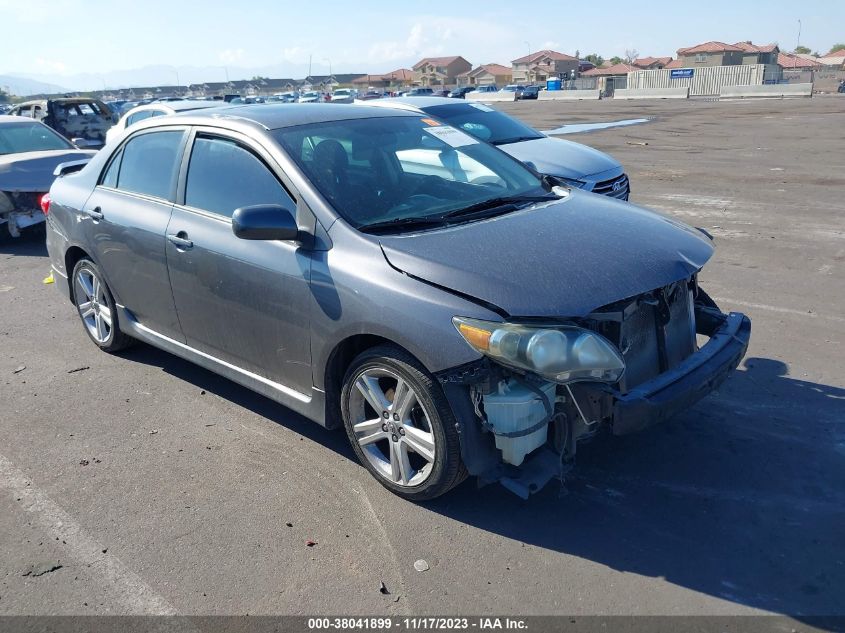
{"points": [[545, 385]]}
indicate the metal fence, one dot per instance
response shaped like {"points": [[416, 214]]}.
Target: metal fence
{"points": [[704, 81], [582, 83]]}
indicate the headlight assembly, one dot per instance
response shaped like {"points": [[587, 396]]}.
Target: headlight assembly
{"points": [[561, 354], [571, 182]]}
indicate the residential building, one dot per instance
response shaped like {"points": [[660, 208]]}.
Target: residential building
{"points": [[651, 63], [788, 61], [835, 59], [440, 71], [617, 70], [542, 65], [710, 54], [394, 79], [758, 54], [486, 75]]}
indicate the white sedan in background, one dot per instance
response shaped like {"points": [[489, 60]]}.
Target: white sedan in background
{"points": [[162, 108]]}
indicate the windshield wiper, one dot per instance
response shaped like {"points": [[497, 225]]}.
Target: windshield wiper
{"points": [[485, 208], [496, 205], [403, 223], [515, 139]]}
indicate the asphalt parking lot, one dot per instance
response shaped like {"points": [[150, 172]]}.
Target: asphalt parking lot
{"points": [[139, 483]]}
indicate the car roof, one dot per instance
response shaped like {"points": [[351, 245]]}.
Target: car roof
{"points": [[9, 118], [179, 106], [282, 115], [413, 104]]}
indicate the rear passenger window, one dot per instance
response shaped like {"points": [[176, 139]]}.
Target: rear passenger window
{"points": [[149, 164], [224, 176], [110, 176]]}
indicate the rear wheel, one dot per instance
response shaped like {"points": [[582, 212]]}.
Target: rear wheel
{"points": [[96, 307], [400, 425]]}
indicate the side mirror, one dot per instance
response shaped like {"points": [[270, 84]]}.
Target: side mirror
{"points": [[264, 222]]}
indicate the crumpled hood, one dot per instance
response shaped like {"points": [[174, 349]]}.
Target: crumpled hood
{"points": [[33, 171], [565, 258], [558, 157]]}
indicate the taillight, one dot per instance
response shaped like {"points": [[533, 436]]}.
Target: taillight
{"points": [[45, 203]]}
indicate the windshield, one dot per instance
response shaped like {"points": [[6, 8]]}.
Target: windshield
{"points": [[29, 136], [388, 169], [484, 122]]}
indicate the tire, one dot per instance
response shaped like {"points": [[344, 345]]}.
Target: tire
{"points": [[414, 451], [98, 316]]}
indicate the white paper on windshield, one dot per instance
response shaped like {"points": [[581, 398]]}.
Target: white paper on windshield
{"points": [[451, 136], [481, 106]]}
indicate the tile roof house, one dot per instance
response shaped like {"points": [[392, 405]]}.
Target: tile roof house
{"points": [[651, 63], [788, 61], [440, 71], [611, 71], [835, 59], [395, 78], [758, 54], [710, 54], [541, 65], [487, 75]]}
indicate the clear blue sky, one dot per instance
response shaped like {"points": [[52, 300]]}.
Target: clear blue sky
{"points": [[60, 38]]}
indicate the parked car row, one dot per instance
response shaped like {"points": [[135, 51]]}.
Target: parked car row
{"points": [[457, 311]]}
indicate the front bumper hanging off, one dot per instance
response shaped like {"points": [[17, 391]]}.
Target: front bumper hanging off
{"points": [[679, 388]]}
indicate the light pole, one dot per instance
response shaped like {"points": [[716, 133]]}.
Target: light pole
{"points": [[177, 79], [798, 44]]}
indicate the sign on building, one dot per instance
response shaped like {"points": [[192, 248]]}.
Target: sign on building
{"points": [[681, 73]]}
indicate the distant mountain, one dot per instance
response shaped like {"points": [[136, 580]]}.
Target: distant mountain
{"points": [[22, 86], [150, 76]]}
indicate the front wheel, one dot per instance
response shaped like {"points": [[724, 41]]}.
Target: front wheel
{"points": [[400, 425]]}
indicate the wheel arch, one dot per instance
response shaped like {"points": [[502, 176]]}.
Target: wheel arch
{"points": [[72, 256], [338, 363]]}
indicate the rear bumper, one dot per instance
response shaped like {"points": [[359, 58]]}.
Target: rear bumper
{"points": [[679, 388]]}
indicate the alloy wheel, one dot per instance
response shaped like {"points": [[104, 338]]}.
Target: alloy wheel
{"points": [[392, 426]]}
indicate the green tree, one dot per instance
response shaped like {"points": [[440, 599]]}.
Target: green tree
{"points": [[616, 60], [595, 59], [801, 50], [837, 47], [4, 98]]}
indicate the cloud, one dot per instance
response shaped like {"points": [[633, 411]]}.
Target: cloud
{"points": [[50, 65], [231, 55], [431, 36]]}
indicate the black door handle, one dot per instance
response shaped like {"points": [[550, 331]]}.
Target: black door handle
{"points": [[180, 240], [95, 213]]}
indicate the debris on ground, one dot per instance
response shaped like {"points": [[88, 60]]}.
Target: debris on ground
{"points": [[421, 565], [39, 569], [19, 369], [48, 279], [384, 590], [289, 524], [643, 143], [84, 462], [310, 543], [154, 431], [73, 371]]}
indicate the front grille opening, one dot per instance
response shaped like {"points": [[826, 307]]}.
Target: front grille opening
{"points": [[655, 332]]}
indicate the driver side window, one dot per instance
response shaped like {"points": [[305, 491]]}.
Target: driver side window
{"points": [[224, 175]]}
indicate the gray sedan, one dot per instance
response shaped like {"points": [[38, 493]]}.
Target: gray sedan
{"points": [[576, 164], [477, 321]]}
